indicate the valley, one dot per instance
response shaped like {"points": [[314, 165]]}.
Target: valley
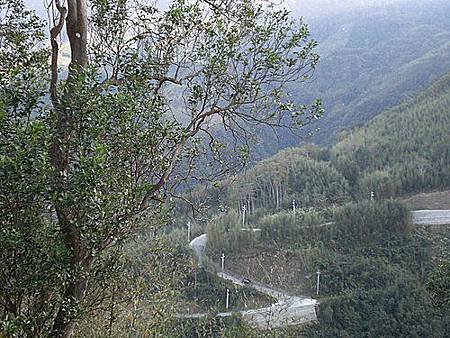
{"points": [[224, 168]]}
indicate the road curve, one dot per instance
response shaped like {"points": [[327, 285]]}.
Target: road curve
{"points": [[198, 245], [287, 310]]}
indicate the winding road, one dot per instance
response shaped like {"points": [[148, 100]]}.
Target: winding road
{"points": [[293, 310], [287, 310]]}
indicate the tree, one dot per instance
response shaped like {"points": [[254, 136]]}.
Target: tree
{"points": [[438, 285], [146, 95]]}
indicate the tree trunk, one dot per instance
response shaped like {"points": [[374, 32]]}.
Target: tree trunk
{"points": [[64, 324], [80, 264], [80, 260], [77, 25], [272, 193]]}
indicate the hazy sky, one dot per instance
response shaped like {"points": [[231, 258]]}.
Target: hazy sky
{"points": [[317, 7], [306, 8]]}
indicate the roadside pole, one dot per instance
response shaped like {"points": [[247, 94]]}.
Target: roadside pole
{"points": [[223, 261], [227, 299], [189, 231], [318, 282]]}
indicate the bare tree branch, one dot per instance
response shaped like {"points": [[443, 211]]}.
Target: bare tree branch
{"points": [[54, 33]]}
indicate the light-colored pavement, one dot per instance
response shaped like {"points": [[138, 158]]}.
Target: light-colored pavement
{"points": [[288, 310], [198, 245], [431, 217]]}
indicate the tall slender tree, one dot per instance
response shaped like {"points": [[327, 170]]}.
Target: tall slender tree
{"points": [[139, 112]]}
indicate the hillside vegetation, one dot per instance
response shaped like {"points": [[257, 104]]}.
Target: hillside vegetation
{"points": [[374, 60], [375, 266], [371, 60], [439, 200], [402, 151]]}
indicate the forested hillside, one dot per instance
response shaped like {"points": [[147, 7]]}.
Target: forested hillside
{"points": [[403, 150], [372, 60], [379, 272], [167, 170]]}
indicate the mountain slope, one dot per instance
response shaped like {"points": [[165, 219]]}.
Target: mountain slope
{"points": [[374, 265], [405, 148], [374, 59]]}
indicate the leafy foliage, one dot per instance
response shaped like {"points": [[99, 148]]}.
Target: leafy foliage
{"points": [[378, 274], [84, 171], [366, 218], [438, 285]]}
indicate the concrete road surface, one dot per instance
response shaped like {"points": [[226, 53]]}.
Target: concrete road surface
{"points": [[198, 245], [288, 310], [431, 217]]}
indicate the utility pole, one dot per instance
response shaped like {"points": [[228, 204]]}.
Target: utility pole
{"points": [[223, 261], [195, 279], [318, 282], [189, 231], [294, 206], [227, 299], [244, 209]]}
